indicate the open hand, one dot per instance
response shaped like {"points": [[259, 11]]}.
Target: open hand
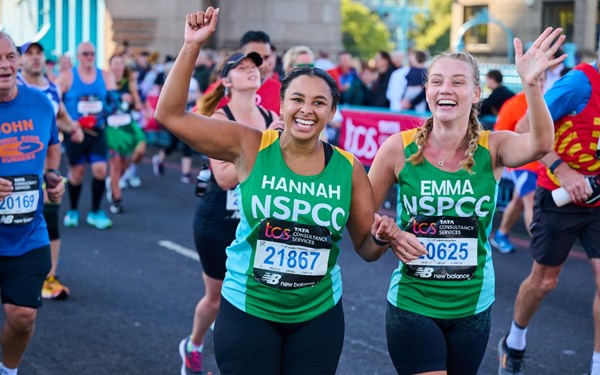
{"points": [[201, 25], [539, 57]]}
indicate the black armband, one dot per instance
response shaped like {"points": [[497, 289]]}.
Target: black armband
{"points": [[52, 170], [555, 165], [379, 242]]}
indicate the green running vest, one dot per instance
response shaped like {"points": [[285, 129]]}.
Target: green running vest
{"points": [[282, 266], [452, 214]]}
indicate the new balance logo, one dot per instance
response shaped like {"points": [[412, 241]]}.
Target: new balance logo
{"points": [[270, 278], [7, 219], [424, 272]]}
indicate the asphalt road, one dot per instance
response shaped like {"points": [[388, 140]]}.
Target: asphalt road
{"points": [[134, 288]]}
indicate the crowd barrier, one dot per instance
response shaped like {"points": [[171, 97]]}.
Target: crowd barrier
{"points": [[364, 129]]}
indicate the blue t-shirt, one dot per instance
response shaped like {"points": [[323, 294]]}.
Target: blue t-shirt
{"points": [[27, 128], [569, 95], [50, 89]]}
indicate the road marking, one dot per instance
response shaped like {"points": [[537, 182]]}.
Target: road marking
{"points": [[182, 250], [367, 346]]}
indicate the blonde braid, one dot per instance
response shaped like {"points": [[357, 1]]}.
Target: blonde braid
{"points": [[421, 141], [473, 132]]}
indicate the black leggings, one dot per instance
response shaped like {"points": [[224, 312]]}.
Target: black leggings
{"points": [[421, 344], [245, 344]]}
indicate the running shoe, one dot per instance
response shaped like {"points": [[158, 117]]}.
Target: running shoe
{"points": [[116, 207], [157, 167], [191, 359], [510, 361], [186, 178], [99, 220], [502, 243], [53, 289], [71, 219], [123, 182], [132, 179], [109, 195]]}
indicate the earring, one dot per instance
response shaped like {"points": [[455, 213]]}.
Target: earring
{"points": [[226, 91]]}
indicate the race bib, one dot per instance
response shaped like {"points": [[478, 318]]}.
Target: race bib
{"points": [[118, 120], [290, 255], [89, 107], [232, 204], [451, 244], [20, 206]]}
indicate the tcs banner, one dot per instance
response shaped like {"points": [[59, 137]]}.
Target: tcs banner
{"points": [[364, 130]]}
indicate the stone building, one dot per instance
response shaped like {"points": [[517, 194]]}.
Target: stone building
{"points": [[526, 19], [157, 25]]}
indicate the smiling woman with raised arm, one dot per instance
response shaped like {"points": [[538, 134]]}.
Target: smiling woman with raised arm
{"points": [[296, 195], [438, 318]]}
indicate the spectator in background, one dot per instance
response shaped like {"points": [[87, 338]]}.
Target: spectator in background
{"points": [[344, 73], [385, 68], [361, 87], [205, 64], [296, 57], [397, 85], [500, 93], [323, 62], [274, 65], [414, 96], [397, 58]]}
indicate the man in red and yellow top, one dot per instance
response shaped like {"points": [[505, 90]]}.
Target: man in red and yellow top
{"points": [[574, 103]]}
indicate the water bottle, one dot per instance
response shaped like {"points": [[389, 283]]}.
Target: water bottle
{"points": [[561, 197], [202, 180]]}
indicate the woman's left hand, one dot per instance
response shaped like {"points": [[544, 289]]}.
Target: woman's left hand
{"points": [[539, 57]]}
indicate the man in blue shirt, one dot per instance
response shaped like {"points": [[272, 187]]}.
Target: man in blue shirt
{"points": [[29, 157]]}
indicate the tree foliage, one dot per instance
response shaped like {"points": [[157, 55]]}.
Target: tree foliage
{"points": [[432, 29], [363, 32]]}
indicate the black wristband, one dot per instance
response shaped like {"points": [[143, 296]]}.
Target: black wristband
{"points": [[555, 165], [51, 170], [379, 242]]}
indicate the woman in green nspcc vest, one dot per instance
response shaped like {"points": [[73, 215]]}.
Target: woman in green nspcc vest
{"points": [[281, 311], [438, 318]]}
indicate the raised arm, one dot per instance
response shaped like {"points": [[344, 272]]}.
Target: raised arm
{"points": [[218, 139], [517, 149]]}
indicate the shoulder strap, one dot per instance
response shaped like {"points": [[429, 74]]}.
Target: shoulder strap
{"points": [[328, 150], [228, 112], [267, 115]]}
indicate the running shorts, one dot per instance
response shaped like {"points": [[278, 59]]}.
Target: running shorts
{"points": [[22, 277], [417, 343], [554, 230]]}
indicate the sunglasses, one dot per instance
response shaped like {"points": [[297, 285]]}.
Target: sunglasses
{"points": [[304, 65], [87, 53]]}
